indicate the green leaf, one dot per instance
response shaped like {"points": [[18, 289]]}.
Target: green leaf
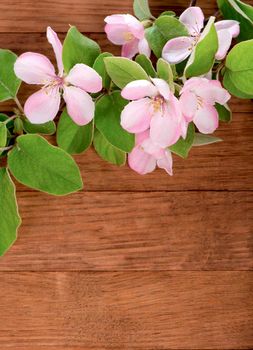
{"points": [[71, 137], [39, 165], [77, 48], [165, 72], [9, 83], [239, 62], [164, 29], [107, 121], [182, 147], [48, 128], [229, 85], [9, 216], [3, 134], [237, 10], [168, 13], [99, 66], [141, 9], [107, 151], [225, 114], [146, 64], [122, 70], [246, 8], [3, 117], [203, 55], [203, 140]]}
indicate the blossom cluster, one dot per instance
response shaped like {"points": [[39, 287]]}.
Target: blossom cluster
{"points": [[157, 116]]}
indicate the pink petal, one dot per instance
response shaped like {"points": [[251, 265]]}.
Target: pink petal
{"points": [[138, 89], [84, 77], [140, 137], [136, 116], [192, 84], [193, 18], [188, 104], [164, 130], [184, 127], [53, 39], [162, 87], [141, 162], [42, 106], [80, 105], [151, 148], [213, 92], [135, 26], [225, 41], [178, 49], [116, 33], [34, 68], [232, 26], [130, 49], [144, 48], [115, 19], [166, 163], [206, 119], [127, 24]]}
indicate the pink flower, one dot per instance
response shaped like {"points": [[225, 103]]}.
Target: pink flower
{"points": [[178, 49], [146, 156], [127, 31], [153, 107], [43, 106], [226, 30], [197, 101]]}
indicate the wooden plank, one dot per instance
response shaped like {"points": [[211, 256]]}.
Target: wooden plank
{"points": [[37, 42], [34, 16], [134, 231], [144, 310]]}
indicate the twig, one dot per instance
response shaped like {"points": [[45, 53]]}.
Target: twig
{"points": [[193, 3], [2, 149], [19, 105]]}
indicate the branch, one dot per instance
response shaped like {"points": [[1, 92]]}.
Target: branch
{"points": [[193, 3]]}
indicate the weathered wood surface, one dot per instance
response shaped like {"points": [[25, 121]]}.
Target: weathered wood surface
{"points": [[143, 310], [131, 262], [134, 231]]}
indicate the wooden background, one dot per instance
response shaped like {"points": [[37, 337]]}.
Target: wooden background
{"points": [[131, 262]]}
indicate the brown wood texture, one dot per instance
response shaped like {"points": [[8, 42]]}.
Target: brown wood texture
{"points": [[130, 310], [114, 231], [131, 262]]}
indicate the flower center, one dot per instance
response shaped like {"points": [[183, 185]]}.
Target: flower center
{"points": [[157, 103], [56, 82], [128, 36], [200, 102]]}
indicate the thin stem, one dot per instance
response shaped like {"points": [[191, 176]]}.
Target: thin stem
{"points": [[2, 149], [193, 3], [9, 119], [19, 105]]}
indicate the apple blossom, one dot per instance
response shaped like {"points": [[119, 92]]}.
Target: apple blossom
{"points": [[197, 100], [178, 49], [146, 156], [153, 107], [127, 31], [43, 106]]}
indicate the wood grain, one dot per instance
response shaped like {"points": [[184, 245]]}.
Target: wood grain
{"points": [[131, 262], [134, 231], [145, 310], [35, 16]]}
